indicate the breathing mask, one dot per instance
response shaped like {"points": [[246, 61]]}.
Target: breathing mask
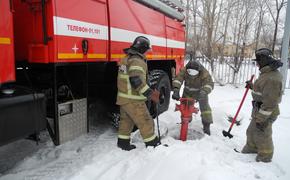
{"points": [[192, 72]]}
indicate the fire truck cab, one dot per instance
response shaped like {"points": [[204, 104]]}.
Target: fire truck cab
{"points": [[60, 58]]}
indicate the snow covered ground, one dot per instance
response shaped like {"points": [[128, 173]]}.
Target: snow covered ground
{"points": [[95, 156]]}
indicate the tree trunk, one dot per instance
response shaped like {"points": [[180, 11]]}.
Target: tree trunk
{"points": [[225, 34], [260, 22], [278, 8], [217, 21], [210, 12], [187, 24], [275, 31], [195, 38]]}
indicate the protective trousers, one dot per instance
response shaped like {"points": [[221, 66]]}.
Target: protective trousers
{"points": [[259, 141], [136, 113], [205, 109]]}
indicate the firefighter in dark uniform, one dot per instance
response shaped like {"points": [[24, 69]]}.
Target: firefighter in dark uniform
{"points": [[197, 85], [266, 93], [133, 91]]}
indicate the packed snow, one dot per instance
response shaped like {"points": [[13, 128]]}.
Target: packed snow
{"points": [[95, 156]]}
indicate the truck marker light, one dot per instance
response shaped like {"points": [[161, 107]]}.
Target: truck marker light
{"points": [[4, 40]]}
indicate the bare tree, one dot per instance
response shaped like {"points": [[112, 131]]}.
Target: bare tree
{"points": [[249, 19], [279, 4], [215, 26], [208, 17], [229, 6], [244, 17], [238, 28], [187, 25], [196, 40], [217, 21], [261, 13], [266, 36]]}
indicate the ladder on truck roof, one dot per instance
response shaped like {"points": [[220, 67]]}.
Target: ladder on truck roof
{"points": [[171, 8]]}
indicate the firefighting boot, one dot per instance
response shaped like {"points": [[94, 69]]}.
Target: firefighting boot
{"points": [[206, 128], [264, 158], [154, 143], [124, 144], [248, 150]]}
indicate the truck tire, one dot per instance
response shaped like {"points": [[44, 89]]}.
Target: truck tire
{"points": [[159, 80]]}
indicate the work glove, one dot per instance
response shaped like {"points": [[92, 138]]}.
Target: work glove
{"points": [[155, 96], [262, 125], [206, 89], [202, 95], [249, 84], [175, 94]]}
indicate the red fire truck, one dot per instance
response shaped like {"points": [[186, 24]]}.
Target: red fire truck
{"points": [[58, 60]]}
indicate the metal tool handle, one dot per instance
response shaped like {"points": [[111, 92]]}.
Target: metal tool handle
{"points": [[241, 104]]}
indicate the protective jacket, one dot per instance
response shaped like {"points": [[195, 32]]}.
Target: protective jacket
{"points": [[194, 84], [267, 93], [132, 78], [133, 91], [197, 87]]}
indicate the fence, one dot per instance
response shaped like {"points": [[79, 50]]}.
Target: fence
{"points": [[224, 72]]}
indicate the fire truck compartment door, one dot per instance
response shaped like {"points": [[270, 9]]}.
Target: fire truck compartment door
{"points": [[77, 21], [7, 67]]}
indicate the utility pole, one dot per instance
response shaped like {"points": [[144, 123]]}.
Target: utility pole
{"points": [[285, 46]]}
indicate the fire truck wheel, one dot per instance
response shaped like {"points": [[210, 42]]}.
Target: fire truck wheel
{"points": [[159, 80]]}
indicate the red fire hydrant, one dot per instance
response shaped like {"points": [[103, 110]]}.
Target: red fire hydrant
{"points": [[186, 107]]}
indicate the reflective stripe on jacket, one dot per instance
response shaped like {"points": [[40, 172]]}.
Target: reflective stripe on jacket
{"points": [[193, 84], [131, 66]]}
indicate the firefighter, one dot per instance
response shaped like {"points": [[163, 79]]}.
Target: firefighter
{"points": [[198, 84], [266, 93], [133, 91]]}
